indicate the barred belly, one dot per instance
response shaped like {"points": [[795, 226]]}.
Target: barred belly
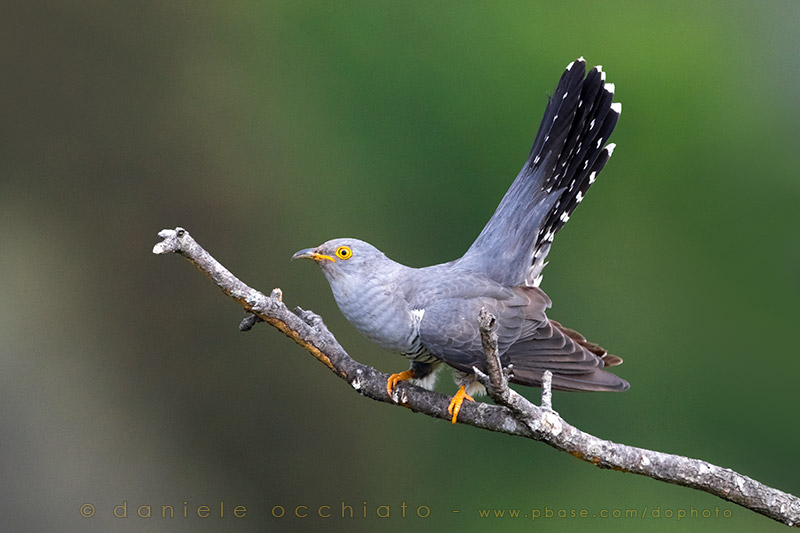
{"points": [[419, 353]]}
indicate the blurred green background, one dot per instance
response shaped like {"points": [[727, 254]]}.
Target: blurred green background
{"points": [[267, 127]]}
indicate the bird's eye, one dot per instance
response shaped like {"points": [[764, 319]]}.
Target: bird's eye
{"points": [[344, 252]]}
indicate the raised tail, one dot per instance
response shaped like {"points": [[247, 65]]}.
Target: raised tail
{"points": [[567, 154]]}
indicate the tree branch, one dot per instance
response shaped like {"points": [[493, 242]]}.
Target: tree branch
{"points": [[513, 415]]}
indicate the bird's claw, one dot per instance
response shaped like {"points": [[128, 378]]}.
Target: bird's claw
{"points": [[394, 379], [458, 399]]}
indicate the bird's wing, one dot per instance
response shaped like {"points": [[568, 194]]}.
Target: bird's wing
{"points": [[576, 364], [527, 340], [568, 153], [450, 328]]}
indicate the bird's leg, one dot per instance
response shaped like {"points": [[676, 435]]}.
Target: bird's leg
{"points": [[394, 379], [458, 399]]}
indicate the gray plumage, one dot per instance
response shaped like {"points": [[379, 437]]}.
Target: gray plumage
{"points": [[431, 314]]}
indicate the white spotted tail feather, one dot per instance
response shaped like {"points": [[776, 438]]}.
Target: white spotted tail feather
{"points": [[577, 156], [567, 155]]}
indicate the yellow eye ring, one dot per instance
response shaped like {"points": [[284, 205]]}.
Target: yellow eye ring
{"points": [[344, 252]]}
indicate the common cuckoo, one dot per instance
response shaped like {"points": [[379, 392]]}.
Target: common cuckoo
{"points": [[430, 314]]}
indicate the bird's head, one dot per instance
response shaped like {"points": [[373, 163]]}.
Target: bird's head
{"points": [[345, 257]]}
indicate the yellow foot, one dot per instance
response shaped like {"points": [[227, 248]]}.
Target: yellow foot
{"points": [[394, 379], [458, 399]]}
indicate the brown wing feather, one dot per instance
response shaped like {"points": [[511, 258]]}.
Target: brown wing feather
{"points": [[576, 363], [527, 340]]}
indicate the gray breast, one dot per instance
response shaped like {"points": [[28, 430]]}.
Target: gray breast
{"points": [[381, 313]]}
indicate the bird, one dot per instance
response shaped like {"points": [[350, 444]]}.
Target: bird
{"points": [[430, 314]]}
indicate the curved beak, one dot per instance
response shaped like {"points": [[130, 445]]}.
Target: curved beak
{"points": [[310, 253]]}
